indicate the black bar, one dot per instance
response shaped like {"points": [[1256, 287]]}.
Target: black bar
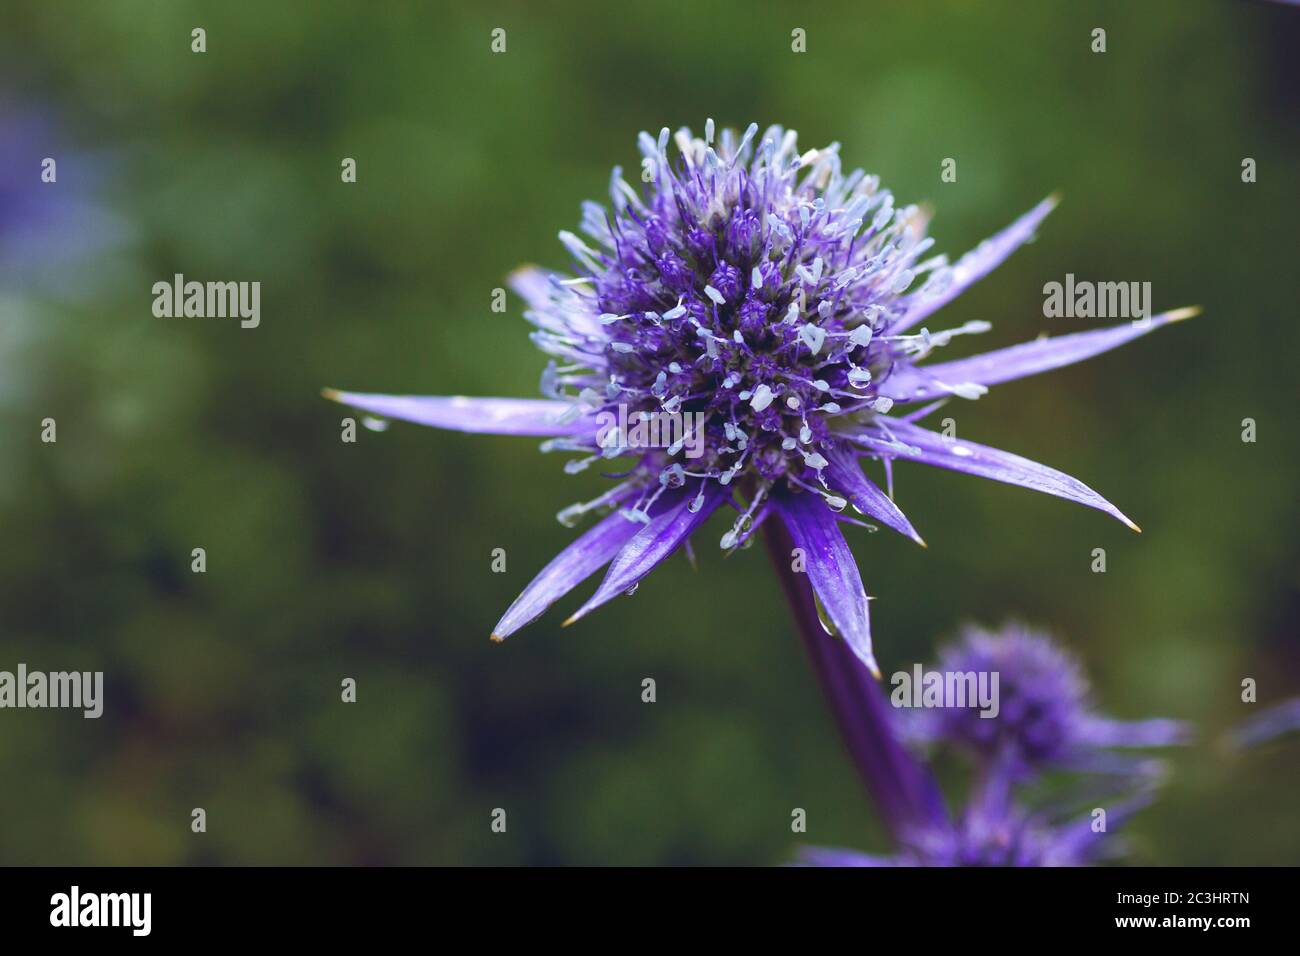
{"points": [[332, 906]]}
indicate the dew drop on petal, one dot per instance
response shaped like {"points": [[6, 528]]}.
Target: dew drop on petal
{"points": [[859, 377]]}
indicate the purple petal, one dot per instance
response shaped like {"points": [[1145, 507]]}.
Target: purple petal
{"points": [[1126, 767], [974, 265], [972, 459], [925, 411], [485, 416], [1156, 732], [833, 856], [558, 309], [584, 556], [653, 544], [1078, 842], [1280, 719], [846, 475], [533, 285], [831, 570], [919, 383]]}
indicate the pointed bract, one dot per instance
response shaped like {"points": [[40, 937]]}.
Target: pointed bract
{"points": [[980, 460], [973, 266], [921, 382], [652, 545], [845, 474], [584, 556], [486, 416], [831, 570]]}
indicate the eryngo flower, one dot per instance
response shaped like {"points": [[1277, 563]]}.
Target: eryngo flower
{"points": [[1044, 721], [775, 306], [1006, 835], [1045, 715]]}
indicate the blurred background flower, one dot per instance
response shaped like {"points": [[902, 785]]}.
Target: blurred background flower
{"points": [[1035, 719], [51, 219], [1045, 717], [372, 560]]}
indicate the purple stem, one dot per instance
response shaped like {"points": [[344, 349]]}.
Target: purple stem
{"points": [[903, 789]]}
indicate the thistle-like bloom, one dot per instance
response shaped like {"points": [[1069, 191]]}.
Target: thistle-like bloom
{"points": [[1007, 835], [1044, 721], [1045, 717], [775, 309]]}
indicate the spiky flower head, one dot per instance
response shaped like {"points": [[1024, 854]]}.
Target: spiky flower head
{"points": [[753, 284], [1011, 837], [1042, 696], [1044, 721], [756, 290], [1045, 713], [743, 326]]}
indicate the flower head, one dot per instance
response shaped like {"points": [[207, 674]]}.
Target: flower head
{"points": [[1009, 835], [760, 311], [1044, 721], [1045, 714]]}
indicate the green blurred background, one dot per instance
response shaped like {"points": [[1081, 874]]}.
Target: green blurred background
{"points": [[371, 560]]}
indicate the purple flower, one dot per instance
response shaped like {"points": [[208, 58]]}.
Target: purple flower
{"points": [[49, 215], [1043, 722], [1008, 835], [1044, 717], [774, 308]]}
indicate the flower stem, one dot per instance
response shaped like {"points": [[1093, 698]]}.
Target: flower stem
{"points": [[901, 787]]}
